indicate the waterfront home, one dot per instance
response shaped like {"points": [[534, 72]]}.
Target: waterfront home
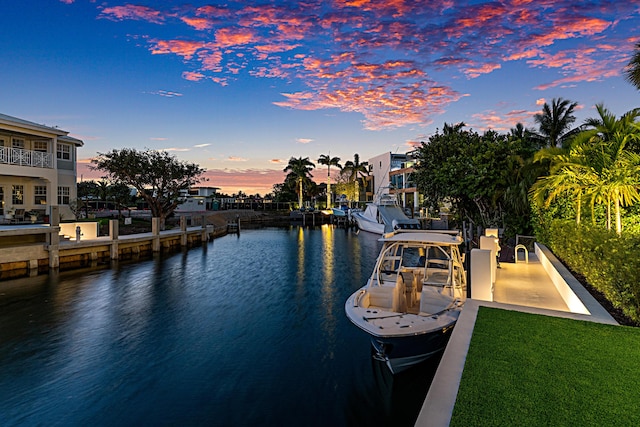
{"points": [[394, 171], [37, 170]]}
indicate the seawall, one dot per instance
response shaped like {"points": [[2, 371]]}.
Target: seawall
{"points": [[28, 250]]}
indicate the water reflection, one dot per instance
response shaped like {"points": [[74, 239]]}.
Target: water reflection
{"points": [[248, 330]]}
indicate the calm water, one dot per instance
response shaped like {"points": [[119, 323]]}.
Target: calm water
{"points": [[248, 330]]}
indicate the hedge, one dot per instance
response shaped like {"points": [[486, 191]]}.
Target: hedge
{"points": [[610, 263]]}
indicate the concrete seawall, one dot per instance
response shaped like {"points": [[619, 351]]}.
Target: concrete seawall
{"points": [[31, 250]]}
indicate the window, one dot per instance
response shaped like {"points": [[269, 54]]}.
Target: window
{"points": [[1, 200], [17, 143], [2, 144], [17, 194], [63, 195], [40, 194], [40, 146], [64, 152]]}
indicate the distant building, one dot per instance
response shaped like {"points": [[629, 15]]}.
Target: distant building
{"points": [[394, 172], [37, 169], [199, 199]]}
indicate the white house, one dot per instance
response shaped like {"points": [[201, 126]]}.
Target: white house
{"points": [[395, 171], [37, 169]]}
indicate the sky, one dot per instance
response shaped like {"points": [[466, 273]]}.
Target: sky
{"points": [[240, 87]]}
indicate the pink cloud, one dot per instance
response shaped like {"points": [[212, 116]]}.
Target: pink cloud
{"points": [[192, 76], [183, 48], [378, 58], [134, 12], [198, 23]]}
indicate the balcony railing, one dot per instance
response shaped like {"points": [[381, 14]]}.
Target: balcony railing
{"points": [[20, 157]]}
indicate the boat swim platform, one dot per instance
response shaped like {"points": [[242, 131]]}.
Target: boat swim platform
{"points": [[527, 287]]}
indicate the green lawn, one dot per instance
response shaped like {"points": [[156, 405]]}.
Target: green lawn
{"points": [[530, 370]]}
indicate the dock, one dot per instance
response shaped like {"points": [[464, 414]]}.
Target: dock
{"points": [[541, 286]]}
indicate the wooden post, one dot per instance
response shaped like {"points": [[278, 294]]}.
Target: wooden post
{"points": [[114, 236], [54, 237], [183, 229], [155, 231]]}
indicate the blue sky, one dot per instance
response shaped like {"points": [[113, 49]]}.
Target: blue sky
{"points": [[240, 87]]}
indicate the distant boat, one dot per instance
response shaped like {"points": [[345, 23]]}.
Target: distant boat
{"points": [[413, 298], [340, 212], [384, 215]]}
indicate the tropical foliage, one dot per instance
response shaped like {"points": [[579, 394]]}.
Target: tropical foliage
{"points": [[355, 172], [298, 179], [326, 159], [632, 71], [555, 122], [600, 167], [608, 262], [477, 174]]}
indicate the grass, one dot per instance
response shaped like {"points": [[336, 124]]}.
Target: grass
{"points": [[525, 369]]}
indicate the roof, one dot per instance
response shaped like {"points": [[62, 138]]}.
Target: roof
{"points": [[423, 236], [31, 125], [71, 140]]}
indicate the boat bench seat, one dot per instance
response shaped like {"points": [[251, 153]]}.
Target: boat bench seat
{"points": [[386, 297], [437, 277], [432, 301]]}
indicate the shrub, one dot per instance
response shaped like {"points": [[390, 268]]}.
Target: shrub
{"points": [[610, 263]]}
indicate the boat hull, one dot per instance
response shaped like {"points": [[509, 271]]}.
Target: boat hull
{"points": [[339, 212], [401, 353], [368, 225]]}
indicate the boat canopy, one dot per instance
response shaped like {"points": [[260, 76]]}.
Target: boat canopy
{"points": [[426, 237]]}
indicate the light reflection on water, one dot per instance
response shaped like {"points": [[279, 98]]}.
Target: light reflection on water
{"points": [[248, 330]]}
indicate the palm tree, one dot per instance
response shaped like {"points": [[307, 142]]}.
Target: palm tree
{"points": [[355, 170], [300, 169], [329, 161], [569, 174], [555, 122], [598, 164], [448, 129], [632, 70], [618, 165]]}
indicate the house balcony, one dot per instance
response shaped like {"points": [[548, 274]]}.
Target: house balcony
{"points": [[20, 157]]}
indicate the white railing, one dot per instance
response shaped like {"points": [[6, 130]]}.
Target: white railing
{"points": [[20, 157]]}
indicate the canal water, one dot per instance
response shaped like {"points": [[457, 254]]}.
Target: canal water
{"points": [[248, 330]]}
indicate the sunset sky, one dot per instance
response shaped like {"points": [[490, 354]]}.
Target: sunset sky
{"points": [[239, 87]]}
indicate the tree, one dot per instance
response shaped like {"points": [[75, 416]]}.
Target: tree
{"points": [[470, 171], [299, 170], [329, 161], [555, 122], [158, 176], [121, 195], [102, 191], [355, 171], [612, 143], [632, 71], [86, 190], [598, 165]]}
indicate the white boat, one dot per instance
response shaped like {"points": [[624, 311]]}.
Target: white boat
{"points": [[384, 215], [339, 212], [413, 298]]}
